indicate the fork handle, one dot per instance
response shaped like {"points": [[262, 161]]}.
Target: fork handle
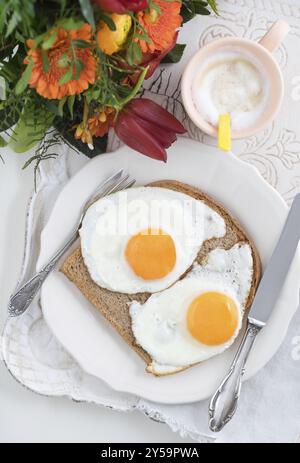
{"points": [[224, 403], [22, 298]]}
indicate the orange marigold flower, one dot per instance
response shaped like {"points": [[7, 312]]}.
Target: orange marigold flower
{"points": [[59, 56], [100, 123], [161, 25]]}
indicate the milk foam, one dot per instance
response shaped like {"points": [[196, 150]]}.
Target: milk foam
{"points": [[231, 82]]}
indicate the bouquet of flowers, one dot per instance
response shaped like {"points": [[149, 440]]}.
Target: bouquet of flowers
{"points": [[76, 67]]}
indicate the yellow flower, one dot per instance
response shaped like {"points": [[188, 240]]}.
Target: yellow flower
{"points": [[100, 123], [111, 41], [83, 133]]}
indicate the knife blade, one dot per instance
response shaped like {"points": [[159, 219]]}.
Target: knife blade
{"points": [[275, 274], [224, 402]]}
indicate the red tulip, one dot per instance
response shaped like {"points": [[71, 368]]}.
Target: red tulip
{"points": [[148, 128], [122, 6]]}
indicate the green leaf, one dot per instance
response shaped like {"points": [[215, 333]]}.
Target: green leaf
{"points": [[108, 21], [70, 24], [213, 5], [137, 52], [190, 8], [175, 55], [30, 129], [88, 12], [200, 9], [134, 53], [66, 77], [200, 2], [52, 106], [20, 37], [45, 61], [11, 70], [79, 66], [23, 81], [63, 4], [81, 44], [71, 101], [61, 105], [13, 22], [49, 41], [154, 6], [92, 94], [38, 40], [142, 36], [10, 111], [187, 11]]}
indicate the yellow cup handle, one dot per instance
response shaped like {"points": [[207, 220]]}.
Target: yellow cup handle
{"points": [[275, 35]]}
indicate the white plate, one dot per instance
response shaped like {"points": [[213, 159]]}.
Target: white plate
{"points": [[89, 338]]}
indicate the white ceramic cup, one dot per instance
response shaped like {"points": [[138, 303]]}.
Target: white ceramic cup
{"points": [[262, 51]]}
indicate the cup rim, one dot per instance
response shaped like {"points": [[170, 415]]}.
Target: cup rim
{"points": [[195, 116]]}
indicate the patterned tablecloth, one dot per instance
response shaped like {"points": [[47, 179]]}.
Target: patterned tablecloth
{"points": [[32, 354]]}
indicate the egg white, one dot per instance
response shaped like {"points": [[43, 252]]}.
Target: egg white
{"points": [[160, 325], [112, 221]]}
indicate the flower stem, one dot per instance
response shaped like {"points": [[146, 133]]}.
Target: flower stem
{"points": [[136, 88], [85, 112]]}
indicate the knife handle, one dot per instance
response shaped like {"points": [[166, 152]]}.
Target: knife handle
{"points": [[223, 405]]}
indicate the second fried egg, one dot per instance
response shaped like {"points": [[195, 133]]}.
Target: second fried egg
{"points": [[199, 316]]}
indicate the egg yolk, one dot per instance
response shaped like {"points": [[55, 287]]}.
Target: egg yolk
{"points": [[212, 318], [151, 254]]}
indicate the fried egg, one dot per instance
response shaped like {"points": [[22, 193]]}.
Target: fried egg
{"points": [[198, 317], [144, 239]]}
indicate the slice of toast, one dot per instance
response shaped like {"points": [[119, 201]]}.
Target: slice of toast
{"points": [[115, 306]]}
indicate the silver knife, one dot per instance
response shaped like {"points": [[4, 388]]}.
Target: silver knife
{"points": [[224, 403]]}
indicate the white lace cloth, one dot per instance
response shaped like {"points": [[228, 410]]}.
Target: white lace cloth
{"points": [[269, 409]]}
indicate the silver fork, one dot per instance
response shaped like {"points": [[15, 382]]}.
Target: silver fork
{"points": [[22, 298]]}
